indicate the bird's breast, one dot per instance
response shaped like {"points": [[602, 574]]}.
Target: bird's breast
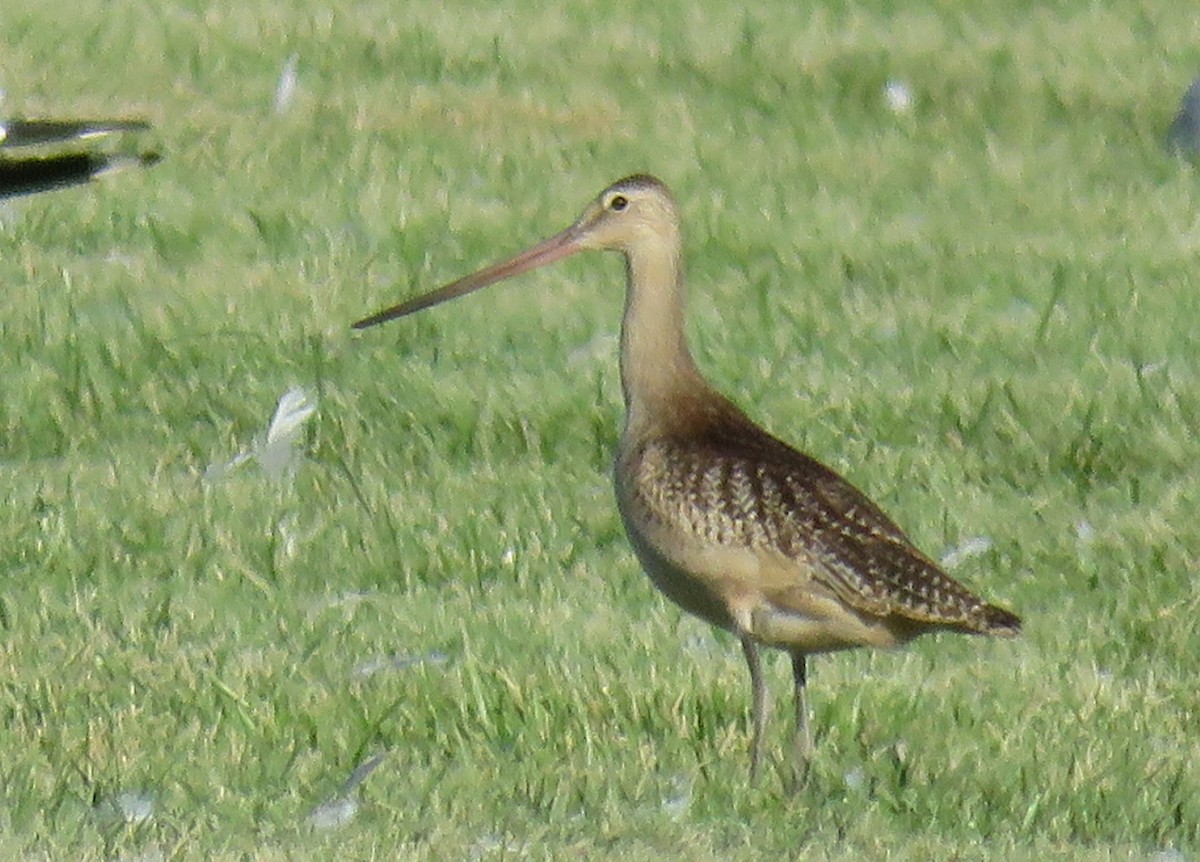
{"points": [[689, 551]]}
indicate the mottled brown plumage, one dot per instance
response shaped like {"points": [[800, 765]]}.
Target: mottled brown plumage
{"points": [[727, 483], [732, 524]]}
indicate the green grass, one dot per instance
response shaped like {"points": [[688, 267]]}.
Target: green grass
{"points": [[983, 312]]}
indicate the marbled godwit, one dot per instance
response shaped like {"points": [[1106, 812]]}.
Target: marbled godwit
{"points": [[28, 175], [732, 524]]}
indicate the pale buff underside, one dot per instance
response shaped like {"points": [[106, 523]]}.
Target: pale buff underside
{"points": [[753, 591]]}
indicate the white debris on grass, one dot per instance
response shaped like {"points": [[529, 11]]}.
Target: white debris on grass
{"points": [[1085, 533], [285, 90], [492, 845], [135, 807], [288, 535], [398, 662], [278, 452], [965, 550], [341, 808], [154, 854], [898, 96], [333, 813], [126, 807], [361, 772], [338, 600], [679, 797]]}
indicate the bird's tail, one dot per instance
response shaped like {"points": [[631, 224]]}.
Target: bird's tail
{"points": [[999, 622], [28, 176], [32, 133]]}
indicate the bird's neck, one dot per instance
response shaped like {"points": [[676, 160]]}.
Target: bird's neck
{"points": [[656, 366]]}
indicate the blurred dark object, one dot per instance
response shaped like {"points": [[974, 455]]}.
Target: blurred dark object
{"points": [[29, 174], [1184, 134]]}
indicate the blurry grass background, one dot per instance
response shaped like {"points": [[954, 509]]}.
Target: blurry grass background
{"points": [[982, 310]]}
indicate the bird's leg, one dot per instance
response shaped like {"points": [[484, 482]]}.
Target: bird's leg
{"points": [[758, 693], [802, 744]]}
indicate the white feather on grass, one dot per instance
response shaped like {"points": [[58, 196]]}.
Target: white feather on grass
{"points": [[278, 452], [285, 89], [341, 808], [898, 96], [398, 662], [126, 807], [679, 797], [492, 845], [333, 813]]}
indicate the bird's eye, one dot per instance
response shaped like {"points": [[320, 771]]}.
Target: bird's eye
{"points": [[618, 202]]}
